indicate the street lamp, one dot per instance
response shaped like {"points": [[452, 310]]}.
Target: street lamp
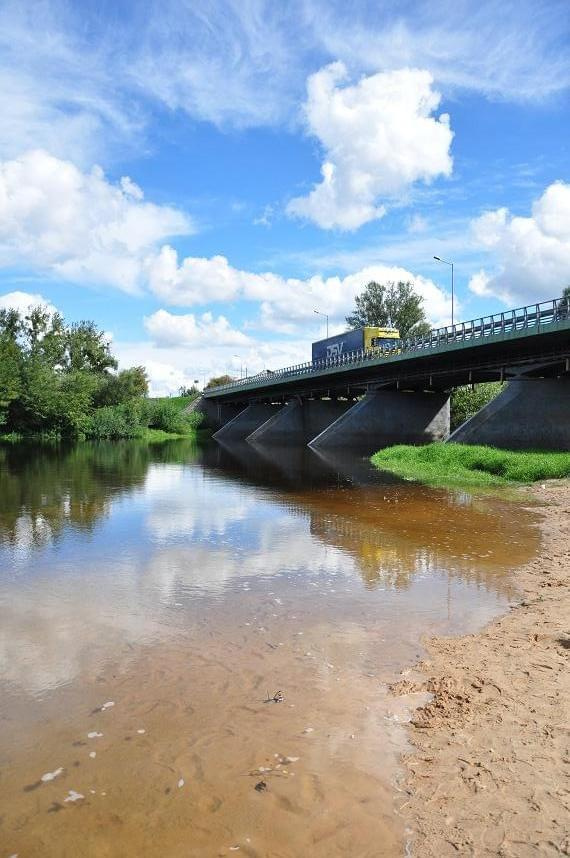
{"points": [[318, 312], [240, 365], [445, 262]]}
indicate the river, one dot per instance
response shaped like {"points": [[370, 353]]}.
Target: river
{"points": [[196, 644]]}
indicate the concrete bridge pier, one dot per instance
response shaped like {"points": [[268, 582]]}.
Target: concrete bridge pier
{"points": [[388, 417], [246, 421], [529, 414], [215, 414], [299, 421]]}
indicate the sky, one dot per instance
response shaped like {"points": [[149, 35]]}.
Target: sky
{"points": [[198, 177]]}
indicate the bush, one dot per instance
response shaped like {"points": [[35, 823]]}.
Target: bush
{"points": [[167, 415], [467, 401], [115, 421]]}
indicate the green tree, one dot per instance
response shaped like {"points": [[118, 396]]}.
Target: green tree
{"points": [[188, 391], [53, 376], [10, 362], [468, 400], [88, 349], [390, 305], [45, 337], [123, 387], [564, 303], [217, 380]]}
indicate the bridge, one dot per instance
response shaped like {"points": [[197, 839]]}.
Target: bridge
{"points": [[378, 397]]}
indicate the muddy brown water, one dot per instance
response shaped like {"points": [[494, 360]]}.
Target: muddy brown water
{"points": [[195, 644]]}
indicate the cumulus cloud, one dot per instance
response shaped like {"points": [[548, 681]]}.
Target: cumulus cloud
{"points": [[285, 303], [169, 329], [199, 280], [171, 366], [379, 137], [184, 347], [77, 225], [531, 254], [82, 84], [24, 301]]}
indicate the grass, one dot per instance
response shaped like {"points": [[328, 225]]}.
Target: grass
{"points": [[155, 435], [462, 464], [11, 437], [180, 402]]}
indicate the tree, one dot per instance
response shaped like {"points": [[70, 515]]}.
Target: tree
{"points": [[88, 349], [390, 305], [53, 376], [217, 380], [469, 399], [564, 304], [45, 337], [188, 391], [123, 387], [10, 361]]}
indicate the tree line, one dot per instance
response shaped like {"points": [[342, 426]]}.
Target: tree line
{"points": [[61, 380]]}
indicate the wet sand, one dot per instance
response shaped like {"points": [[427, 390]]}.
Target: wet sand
{"points": [[489, 773], [190, 750]]}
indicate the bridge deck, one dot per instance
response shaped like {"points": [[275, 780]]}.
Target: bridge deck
{"points": [[534, 339]]}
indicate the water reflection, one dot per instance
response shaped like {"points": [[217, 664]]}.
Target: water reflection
{"points": [[182, 583], [48, 487], [174, 531]]}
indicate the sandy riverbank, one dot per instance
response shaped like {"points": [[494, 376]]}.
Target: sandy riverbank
{"points": [[489, 773]]}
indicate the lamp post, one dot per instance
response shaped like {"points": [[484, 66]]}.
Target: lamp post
{"points": [[318, 312], [240, 365], [445, 262]]}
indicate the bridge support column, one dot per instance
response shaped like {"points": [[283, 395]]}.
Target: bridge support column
{"points": [[299, 421], [529, 414], [244, 423], [387, 417], [214, 414]]}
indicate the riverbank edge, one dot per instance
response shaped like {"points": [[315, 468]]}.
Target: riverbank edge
{"points": [[486, 772], [149, 436]]}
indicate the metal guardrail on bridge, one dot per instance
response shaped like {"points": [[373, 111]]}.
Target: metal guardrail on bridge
{"points": [[534, 316]]}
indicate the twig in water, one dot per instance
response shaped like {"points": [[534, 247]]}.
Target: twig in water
{"points": [[277, 697]]}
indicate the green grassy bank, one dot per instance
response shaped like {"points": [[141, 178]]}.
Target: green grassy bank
{"points": [[461, 464]]}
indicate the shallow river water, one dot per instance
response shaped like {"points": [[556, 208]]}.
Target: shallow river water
{"points": [[195, 644]]}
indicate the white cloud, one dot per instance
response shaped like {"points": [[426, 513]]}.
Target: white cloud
{"points": [[379, 137], [81, 83], [59, 89], [200, 280], [23, 301], [531, 254], [516, 51], [168, 329], [285, 303], [417, 223], [185, 347], [79, 226], [171, 366], [230, 63]]}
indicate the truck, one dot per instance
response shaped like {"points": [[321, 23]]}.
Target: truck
{"points": [[362, 339]]}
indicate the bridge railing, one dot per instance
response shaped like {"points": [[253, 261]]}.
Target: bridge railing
{"points": [[532, 316]]}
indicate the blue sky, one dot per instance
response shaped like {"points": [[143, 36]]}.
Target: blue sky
{"points": [[199, 177]]}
